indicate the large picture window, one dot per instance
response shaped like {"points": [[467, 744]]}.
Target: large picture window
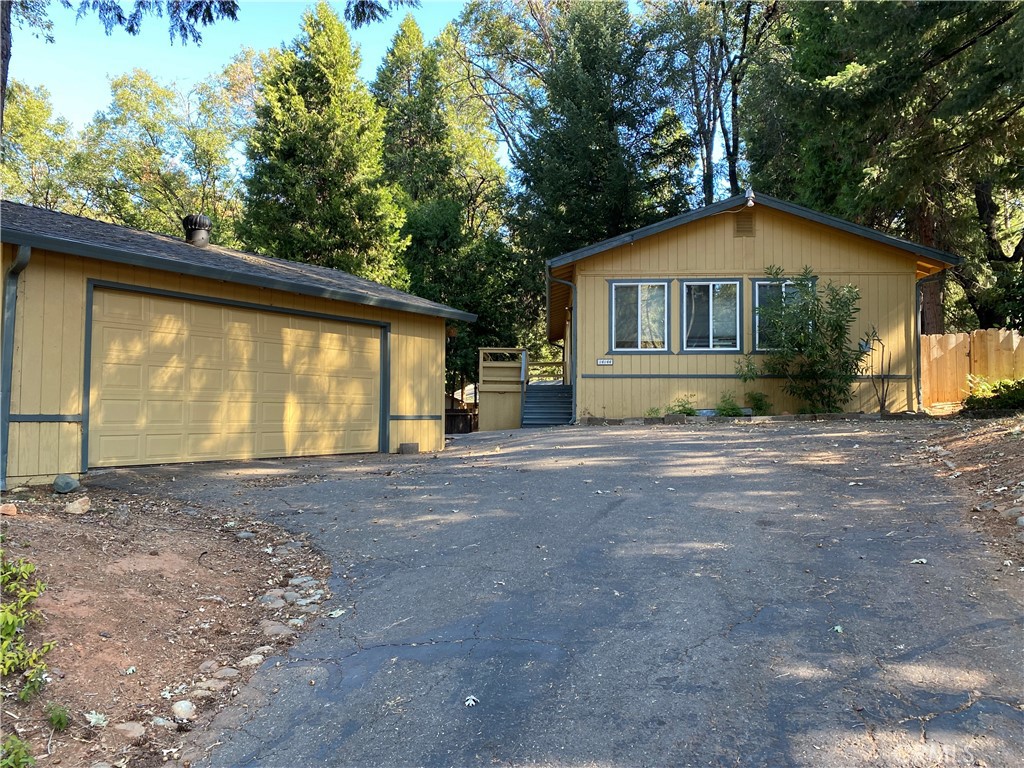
{"points": [[639, 316], [711, 315], [768, 294]]}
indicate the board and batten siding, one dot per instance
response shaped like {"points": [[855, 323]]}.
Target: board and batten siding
{"points": [[637, 382], [49, 348]]}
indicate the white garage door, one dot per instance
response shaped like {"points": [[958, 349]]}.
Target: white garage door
{"points": [[178, 380]]}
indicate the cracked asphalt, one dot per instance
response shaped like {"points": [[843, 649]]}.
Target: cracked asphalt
{"points": [[632, 596]]}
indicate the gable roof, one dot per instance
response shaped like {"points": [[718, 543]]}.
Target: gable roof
{"points": [[40, 228], [759, 199]]}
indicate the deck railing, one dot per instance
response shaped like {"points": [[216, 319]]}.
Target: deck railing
{"points": [[504, 374]]}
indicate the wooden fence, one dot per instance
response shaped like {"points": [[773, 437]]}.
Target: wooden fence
{"points": [[948, 360]]}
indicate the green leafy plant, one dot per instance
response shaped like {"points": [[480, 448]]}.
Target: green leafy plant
{"points": [[652, 413], [15, 753], [727, 406], [758, 402], [810, 347], [1000, 396], [682, 406], [17, 655], [58, 716]]}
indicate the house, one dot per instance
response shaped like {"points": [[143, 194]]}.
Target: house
{"points": [[665, 312], [122, 347]]}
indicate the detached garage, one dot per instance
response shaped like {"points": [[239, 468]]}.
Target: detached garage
{"points": [[122, 347]]}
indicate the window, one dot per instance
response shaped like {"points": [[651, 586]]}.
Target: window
{"points": [[766, 294], [711, 315], [639, 316]]}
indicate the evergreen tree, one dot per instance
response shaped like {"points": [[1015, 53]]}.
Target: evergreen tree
{"points": [[315, 191], [908, 117]]}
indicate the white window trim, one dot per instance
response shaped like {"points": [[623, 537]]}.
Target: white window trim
{"points": [[757, 306], [711, 315], [639, 324]]}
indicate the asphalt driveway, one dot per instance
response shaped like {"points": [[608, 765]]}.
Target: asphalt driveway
{"points": [[728, 595]]}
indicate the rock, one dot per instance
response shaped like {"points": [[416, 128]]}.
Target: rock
{"points": [[101, 764], [275, 629], [252, 661], [226, 673], [296, 622], [65, 484], [9, 509], [209, 666], [163, 722], [202, 694], [291, 597], [272, 603], [316, 597], [308, 608], [275, 592], [134, 732], [1020, 521], [263, 650], [298, 581], [1011, 513], [245, 535], [79, 506], [184, 710], [1020, 537], [212, 685]]}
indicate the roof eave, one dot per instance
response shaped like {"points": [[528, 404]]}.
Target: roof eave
{"points": [[120, 256]]}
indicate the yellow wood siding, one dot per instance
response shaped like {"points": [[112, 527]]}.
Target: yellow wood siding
{"points": [[638, 382], [49, 366]]}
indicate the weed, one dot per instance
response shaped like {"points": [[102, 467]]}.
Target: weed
{"points": [[758, 402], [58, 716], [682, 406], [16, 653], [15, 753], [652, 413], [727, 406], [1002, 395]]}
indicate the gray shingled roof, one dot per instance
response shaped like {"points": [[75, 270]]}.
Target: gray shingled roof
{"points": [[40, 228]]}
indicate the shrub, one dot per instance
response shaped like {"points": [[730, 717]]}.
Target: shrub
{"points": [[15, 753], [727, 406], [1001, 396], [16, 653], [758, 402], [58, 716], [682, 406], [810, 335]]}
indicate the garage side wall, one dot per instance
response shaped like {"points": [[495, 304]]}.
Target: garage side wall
{"points": [[48, 401], [614, 384]]}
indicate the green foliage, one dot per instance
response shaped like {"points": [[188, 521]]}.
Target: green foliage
{"points": [[653, 412], [727, 406], [17, 655], [758, 402], [682, 406], [15, 753], [315, 191], [156, 155], [906, 117], [58, 716], [1000, 396], [37, 150], [810, 341]]}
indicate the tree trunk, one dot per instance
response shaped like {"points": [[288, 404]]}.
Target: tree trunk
{"points": [[5, 55], [933, 319]]}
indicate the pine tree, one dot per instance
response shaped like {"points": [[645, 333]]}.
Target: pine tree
{"points": [[315, 190]]}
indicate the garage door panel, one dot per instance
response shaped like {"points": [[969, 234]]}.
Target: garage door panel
{"points": [[192, 381]]}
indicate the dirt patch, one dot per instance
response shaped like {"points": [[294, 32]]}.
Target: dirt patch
{"points": [[984, 459], [148, 602]]}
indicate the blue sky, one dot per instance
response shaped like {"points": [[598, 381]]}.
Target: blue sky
{"points": [[77, 67]]}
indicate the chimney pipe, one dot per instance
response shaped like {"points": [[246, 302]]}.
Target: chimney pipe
{"points": [[197, 230]]}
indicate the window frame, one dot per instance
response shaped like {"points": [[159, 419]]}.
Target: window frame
{"points": [[757, 305], [711, 349], [666, 324]]}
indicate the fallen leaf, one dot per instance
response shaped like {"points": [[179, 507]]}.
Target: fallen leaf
{"points": [[471, 701]]}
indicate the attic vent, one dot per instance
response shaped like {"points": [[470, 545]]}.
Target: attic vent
{"points": [[744, 223]]}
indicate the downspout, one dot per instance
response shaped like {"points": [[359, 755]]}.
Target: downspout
{"points": [[575, 324], [7, 353], [917, 336]]}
